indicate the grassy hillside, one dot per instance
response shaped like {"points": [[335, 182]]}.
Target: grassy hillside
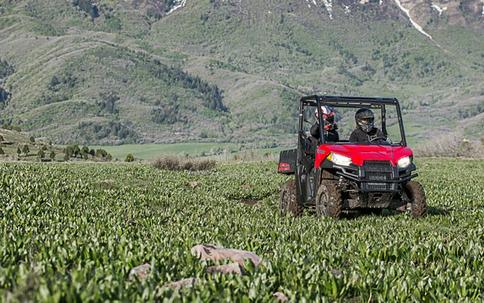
{"points": [[75, 232], [16, 145], [114, 72]]}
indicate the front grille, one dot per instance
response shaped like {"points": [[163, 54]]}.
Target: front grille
{"points": [[375, 171], [378, 166]]}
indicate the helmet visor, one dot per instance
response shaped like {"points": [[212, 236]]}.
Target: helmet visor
{"points": [[367, 120]]}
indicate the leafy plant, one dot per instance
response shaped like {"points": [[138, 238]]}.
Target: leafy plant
{"points": [[65, 226], [129, 158]]}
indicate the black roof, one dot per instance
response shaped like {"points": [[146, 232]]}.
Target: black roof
{"points": [[349, 101]]}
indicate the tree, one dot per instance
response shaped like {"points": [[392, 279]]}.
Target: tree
{"points": [[19, 151], [41, 154], [76, 150], [1, 138], [101, 153], [1, 151], [92, 152], [88, 7], [69, 151], [26, 149], [129, 158], [54, 82], [32, 139], [52, 155], [85, 150]]}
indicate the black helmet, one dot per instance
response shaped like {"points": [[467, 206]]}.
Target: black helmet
{"points": [[365, 119]]}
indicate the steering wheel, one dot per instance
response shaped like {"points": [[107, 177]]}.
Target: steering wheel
{"points": [[377, 138]]}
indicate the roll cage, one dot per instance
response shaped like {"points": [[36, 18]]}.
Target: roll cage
{"points": [[350, 102]]}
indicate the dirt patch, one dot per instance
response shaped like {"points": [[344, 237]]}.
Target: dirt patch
{"points": [[107, 184], [193, 184], [140, 272], [250, 202], [216, 253]]}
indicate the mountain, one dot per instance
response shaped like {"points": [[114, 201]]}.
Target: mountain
{"points": [[111, 72]]}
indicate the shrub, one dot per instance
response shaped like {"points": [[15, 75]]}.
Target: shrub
{"points": [[450, 146], [168, 163], [69, 151], [12, 127], [129, 158], [52, 155], [101, 153], [32, 139], [76, 150], [1, 138], [174, 163], [1, 151], [25, 149], [84, 150], [41, 154]]}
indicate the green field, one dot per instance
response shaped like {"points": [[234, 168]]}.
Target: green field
{"points": [[151, 151], [72, 232], [223, 151]]}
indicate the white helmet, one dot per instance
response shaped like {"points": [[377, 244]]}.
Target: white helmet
{"points": [[328, 116]]}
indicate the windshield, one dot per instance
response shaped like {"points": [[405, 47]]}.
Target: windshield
{"points": [[383, 128]]}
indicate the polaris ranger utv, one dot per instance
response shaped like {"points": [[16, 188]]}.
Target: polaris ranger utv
{"points": [[333, 178]]}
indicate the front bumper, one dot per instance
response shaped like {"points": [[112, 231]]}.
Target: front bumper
{"points": [[377, 176]]}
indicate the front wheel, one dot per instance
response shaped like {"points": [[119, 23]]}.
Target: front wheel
{"points": [[288, 201], [328, 200], [418, 201]]}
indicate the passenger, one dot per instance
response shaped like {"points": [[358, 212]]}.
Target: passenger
{"points": [[365, 131], [330, 127]]}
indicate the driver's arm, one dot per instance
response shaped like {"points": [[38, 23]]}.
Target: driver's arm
{"points": [[380, 134], [354, 137]]}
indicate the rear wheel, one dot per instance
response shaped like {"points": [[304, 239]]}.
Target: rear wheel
{"points": [[288, 202], [418, 201], [328, 200]]}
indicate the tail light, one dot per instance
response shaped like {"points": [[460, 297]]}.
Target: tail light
{"points": [[284, 167]]}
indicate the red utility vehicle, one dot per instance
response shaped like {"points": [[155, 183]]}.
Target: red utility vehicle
{"points": [[333, 178]]}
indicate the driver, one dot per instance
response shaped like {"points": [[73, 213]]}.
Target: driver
{"points": [[330, 127], [366, 131]]}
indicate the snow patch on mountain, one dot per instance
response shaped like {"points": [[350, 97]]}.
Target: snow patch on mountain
{"points": [[313, 2], [439, 9], [178, 4], [329, 8], [347, 9], [415, 24], [327, 4]]}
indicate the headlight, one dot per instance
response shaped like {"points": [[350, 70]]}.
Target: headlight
{"points": [[339, 159], [404, 162]]}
